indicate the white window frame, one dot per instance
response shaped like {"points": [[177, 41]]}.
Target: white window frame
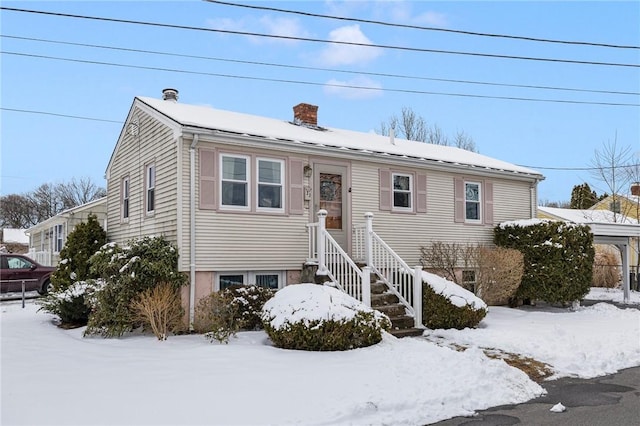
{"points": [[249, 277], [150, 188], [58, 237], [478, 202], [126, 199], [247, 182], [281, 185], [410, 192]]}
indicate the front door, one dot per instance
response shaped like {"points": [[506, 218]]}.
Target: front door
{"points": [[331, 194]]}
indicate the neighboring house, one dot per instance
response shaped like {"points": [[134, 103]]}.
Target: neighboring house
{"points": [[47, 238], [14, 240], [239, 195], [607, 228], [623, 205]]}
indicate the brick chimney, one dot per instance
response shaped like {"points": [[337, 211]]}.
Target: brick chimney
{"points": [[305, 114], [635, 189], [170, 95]]}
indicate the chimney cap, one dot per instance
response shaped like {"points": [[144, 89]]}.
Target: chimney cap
{"points": [[169, 94]]}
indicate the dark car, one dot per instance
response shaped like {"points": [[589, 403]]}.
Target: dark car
{"points": [[16, 268]]}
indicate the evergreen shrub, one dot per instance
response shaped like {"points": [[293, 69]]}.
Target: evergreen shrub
{"points": [[320, 318], [85, 240], [438, 311], [127, 272], [71, 305], [558, 258]]}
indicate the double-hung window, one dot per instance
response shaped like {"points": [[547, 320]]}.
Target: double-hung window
{"points": [[402, 191], [270, 179], [150, 178], [125, 198], [472, 202], [235, 181], [58, 237]]}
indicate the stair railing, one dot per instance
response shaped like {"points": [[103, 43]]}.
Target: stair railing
{"points": [[403, 281], [336, 264]]}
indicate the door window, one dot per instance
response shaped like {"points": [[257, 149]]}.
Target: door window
{"points": [[331, 198]]}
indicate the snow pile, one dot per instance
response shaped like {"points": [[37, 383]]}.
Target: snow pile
{"points": [[458, 296], [587, 342], [312, 304]]}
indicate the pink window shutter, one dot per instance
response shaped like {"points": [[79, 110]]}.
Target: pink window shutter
{"points": [[488, 203], [421, 193], [385, 190], [207, 179], [459, 210], [296, 186]]}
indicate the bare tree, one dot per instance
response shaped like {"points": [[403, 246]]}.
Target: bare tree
{"points": [[609, 166], [24, 211], [414, 127], [16, 212], [78, 192]]}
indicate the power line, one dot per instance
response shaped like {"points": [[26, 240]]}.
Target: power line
{"points": [[311, 83], [27, 111], [376, 74], [418, 27], [120, 122], [315, 40]]}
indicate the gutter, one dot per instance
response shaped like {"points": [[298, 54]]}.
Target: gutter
{"points": [[192, 230]]}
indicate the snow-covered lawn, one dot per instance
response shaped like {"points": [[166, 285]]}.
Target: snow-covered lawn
{"points": [[52, 376]]}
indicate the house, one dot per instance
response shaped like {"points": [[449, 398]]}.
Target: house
{"points": [[608, 228], [47, 238], [14, 240], [623, 205], [249, 199]]}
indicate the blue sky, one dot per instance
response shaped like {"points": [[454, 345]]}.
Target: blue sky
{"points": [[47, 148]]}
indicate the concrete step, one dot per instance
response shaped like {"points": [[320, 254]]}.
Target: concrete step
{"points": [[407, 332], [402, 323], [392, 311], [384, 299]]}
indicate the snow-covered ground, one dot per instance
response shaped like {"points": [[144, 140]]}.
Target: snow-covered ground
{"points": [[51, 376]]}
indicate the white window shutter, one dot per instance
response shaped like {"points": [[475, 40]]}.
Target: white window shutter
{"points": [[385, 190]]}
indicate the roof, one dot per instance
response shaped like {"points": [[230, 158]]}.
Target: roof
{"points": [[204, 117], [65, 213], [586, 216], [601, 222], [16, 236]]}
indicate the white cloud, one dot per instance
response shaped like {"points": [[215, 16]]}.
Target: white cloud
{"points": [[432, 18], [349, 89], [289, 27], [340, 54]]}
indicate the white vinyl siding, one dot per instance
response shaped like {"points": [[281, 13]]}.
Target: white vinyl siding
{"points": [[155, 143]]}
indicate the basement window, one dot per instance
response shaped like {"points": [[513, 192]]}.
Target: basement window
{"points": [[267, 279]]}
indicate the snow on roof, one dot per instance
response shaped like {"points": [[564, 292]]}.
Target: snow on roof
{"points": [[587, 216], [269, 128], [16, 236]]}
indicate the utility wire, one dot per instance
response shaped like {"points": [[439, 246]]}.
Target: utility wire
{"points": [[418, 27], [310, 83], [290, 66], [316, 40], [120, 122], [27, 111]]}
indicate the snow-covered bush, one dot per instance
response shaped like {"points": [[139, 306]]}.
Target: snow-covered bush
{"points": [[221, 314], [127, 272], [321, 318], [558, 258], [160, 309], [85, 239], [73, 304], [447, 305]]}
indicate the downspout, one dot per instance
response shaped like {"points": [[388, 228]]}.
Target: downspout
{"points": [[192, 230]]}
